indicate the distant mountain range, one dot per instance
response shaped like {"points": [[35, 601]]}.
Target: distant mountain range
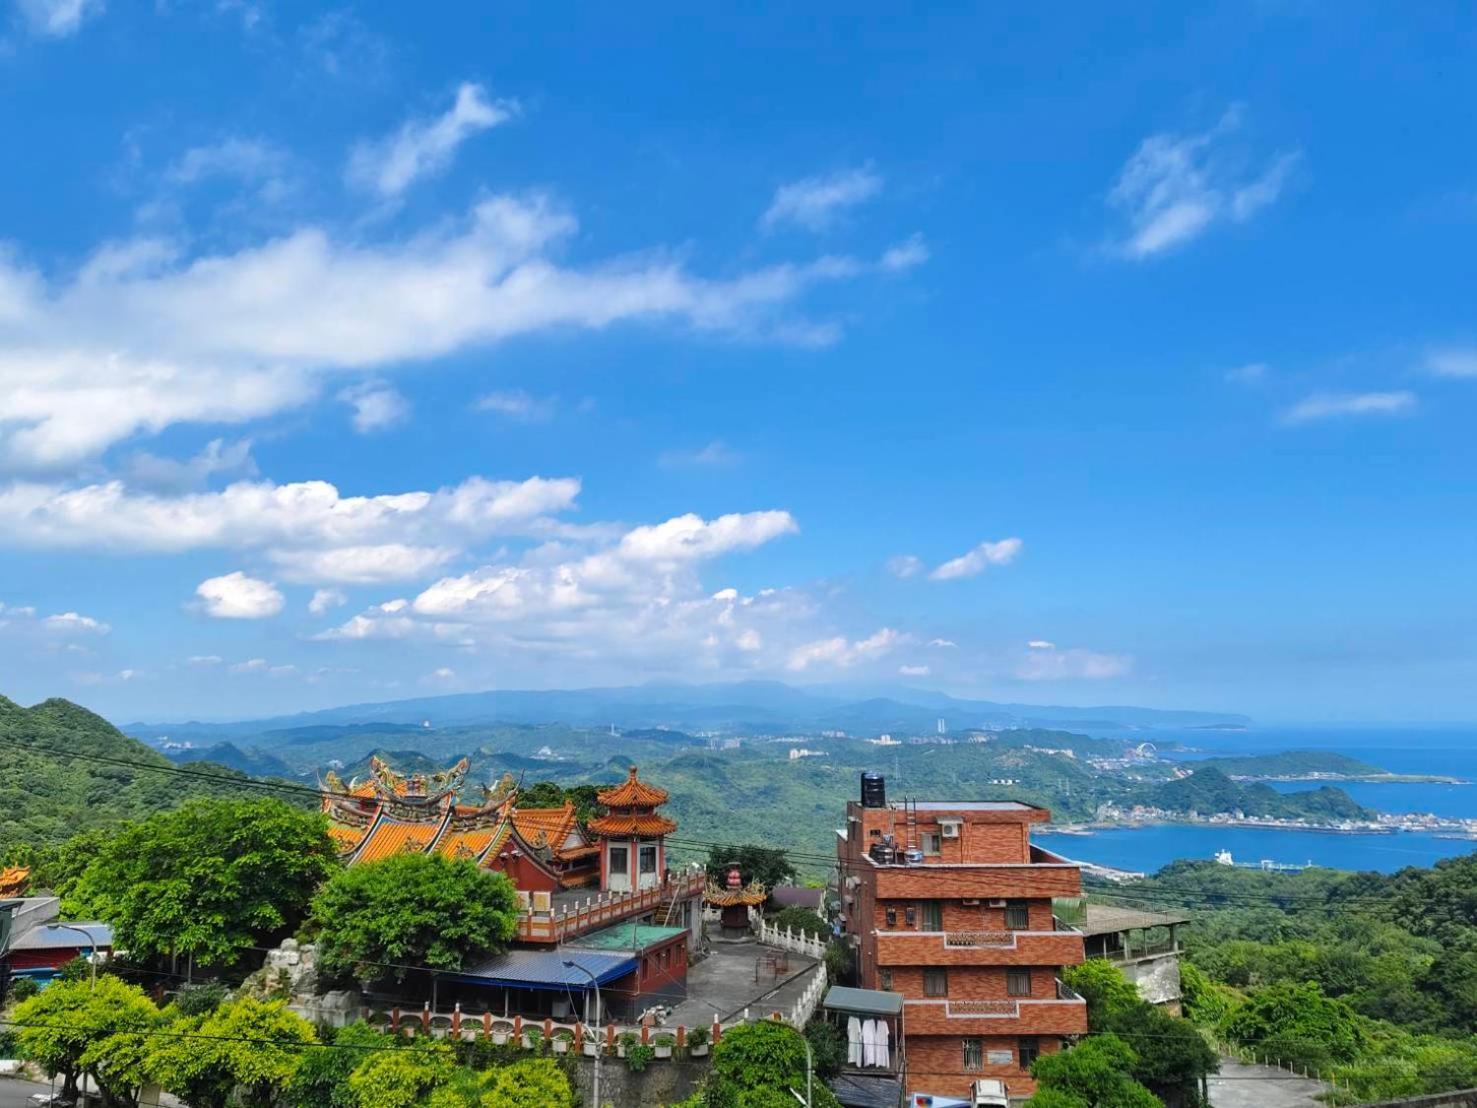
{"points": [[758, 706]]}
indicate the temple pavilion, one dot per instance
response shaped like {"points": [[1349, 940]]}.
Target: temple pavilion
{"points": [[633, 853], [540, 849]]}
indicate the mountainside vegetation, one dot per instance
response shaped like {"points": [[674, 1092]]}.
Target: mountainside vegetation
{"points": [[54, 782], [1209, 790]]}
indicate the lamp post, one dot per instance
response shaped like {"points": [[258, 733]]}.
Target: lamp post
{"points": [[92, 947], [569, 963]]}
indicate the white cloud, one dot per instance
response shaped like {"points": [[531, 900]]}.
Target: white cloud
{"points": [[70, 623], [441, 675], [151, 471], [976, 561], [904, 565], [908, 254], [914, 671], [306, 527], [843, 652], [237, 596], [715, 454], [1334, 405], [141, 339], [249, 161], [1175, 187], [325, 600], [1453, 362], [1041, 644], [942, 644], [58, 18], [1050, 664], [518, 405], [376, 405], [815, 203], [261, 665], [425, 147], [204, 660]]}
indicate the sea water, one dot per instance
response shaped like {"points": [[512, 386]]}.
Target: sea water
{"points": [[1449, 751]]}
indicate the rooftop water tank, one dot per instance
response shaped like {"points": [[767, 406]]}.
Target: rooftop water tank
{"points": [[874, 791]]}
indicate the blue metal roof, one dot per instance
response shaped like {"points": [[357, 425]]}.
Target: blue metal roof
{"points": [[53, 936], [545, 969]]}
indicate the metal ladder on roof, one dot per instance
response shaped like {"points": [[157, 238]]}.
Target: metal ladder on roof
{"points": [[910, 811]]}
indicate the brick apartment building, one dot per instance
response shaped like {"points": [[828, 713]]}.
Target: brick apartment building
{"points": [[950, 905]]}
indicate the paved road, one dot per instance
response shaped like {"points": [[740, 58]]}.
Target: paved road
{"points": [[14, 1094], [1239, 1085]]}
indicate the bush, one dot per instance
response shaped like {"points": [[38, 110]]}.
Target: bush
{"points": [[639, 1056], [200, 1000], [23, 988], [802, 920], [827, 1047]]}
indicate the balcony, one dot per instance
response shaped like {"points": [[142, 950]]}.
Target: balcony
{"points": [[1035, 881], [1066, 1015], [1062, 947], [573, 915]]}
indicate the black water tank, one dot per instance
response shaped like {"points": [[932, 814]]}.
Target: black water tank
{"points": [[874, 791]]}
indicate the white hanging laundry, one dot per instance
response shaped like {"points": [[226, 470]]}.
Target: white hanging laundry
{"points": [[853, 1042], [869, 1043], [884, 1058]]}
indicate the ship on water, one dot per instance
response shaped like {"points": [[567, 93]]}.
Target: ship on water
{"points": [[1224, 858]]}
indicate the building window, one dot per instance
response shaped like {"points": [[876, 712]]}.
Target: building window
{"points": [[884, 980], [974, 1054], [1018, 982], [1028, 1049], [648, 859], [1017, 915], [891, 917], [935, 981], [932, 844], [932, 912], [910, 915], [620, 859]]}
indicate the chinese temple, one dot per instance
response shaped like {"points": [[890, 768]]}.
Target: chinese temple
{"points": [[632, 850], [13, 881], [540, 849]]}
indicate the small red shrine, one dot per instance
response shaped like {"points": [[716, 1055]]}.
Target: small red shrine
{"points": [[633, 852]]}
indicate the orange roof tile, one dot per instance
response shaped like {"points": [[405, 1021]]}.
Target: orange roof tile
{"points": [[552, 826], [632, 793], [621, 824], [471, 844], [389, 837], [345, 838]]}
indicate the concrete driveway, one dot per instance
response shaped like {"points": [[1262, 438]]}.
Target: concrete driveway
{"points": [[1239, 1085]]}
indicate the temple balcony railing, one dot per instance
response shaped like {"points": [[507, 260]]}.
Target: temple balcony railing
{"points": [[560, 922]]}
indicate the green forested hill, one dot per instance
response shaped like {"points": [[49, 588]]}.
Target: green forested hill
{"points": [[1208, 790], [50, 788]]}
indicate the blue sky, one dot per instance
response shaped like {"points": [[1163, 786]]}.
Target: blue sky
{"points": [[1082, 357]]}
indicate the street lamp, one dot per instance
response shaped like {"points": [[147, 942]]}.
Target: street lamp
{"points": [[569, 963], [92, 946]]}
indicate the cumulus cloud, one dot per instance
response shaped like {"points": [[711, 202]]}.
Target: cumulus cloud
{"points": [[1176, 187], [325, 600], [1339, 405], [237, 596], [976, 561], [906, 255], [1047, 663], [58, 18], [914, 671], [376, 406], [140, 339], [1453, 362], [904, 565], [942, 644], [425, 147], [262, 666], [154, 472], [842, 652], [307, 528], [815, 203], [70, 623]]}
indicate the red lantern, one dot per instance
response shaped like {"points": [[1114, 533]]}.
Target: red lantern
{"points": [[734, 880]]}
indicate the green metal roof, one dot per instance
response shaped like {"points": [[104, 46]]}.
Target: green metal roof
{"points": [[866, 1002], [628, 936]]}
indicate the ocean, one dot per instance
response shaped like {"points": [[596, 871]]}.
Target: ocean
{"points": [[1450, 751]]}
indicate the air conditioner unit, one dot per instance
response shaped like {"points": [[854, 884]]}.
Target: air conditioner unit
{"points": [[997, 903], [970, 901], [949, 830]]}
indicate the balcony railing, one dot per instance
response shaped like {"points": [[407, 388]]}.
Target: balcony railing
{"points": [[564, 922], [1011, 1008], [980, 938]]}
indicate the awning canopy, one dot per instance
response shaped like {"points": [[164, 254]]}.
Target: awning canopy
{"points": [[545, 969], [863, 1002], [1107, 919]]}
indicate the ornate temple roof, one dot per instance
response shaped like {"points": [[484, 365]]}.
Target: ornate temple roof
{"points": [[549, 827], [632, 793], [752, 893], [13, 880], [619, 824]]}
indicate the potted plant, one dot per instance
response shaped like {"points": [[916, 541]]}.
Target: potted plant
{"points": [[663, 1044], [591, 1044], [697, 1041], [624, 1042], [562, 1037], [500, 1033], [638, 1055], [533, 1038]]}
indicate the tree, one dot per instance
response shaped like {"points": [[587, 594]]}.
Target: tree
{"points": [[1103, 986], [209, 880], [322, 1079], [827, 1047], [755, 1061], [767, 865], [73, 1027], [245, 1052], [1093, 1074], [529, 1083], [376, 920], [802, 921], [403, 1077], [1298, 1025]]}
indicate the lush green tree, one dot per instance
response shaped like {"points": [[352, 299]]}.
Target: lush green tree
{"points": [[199, 1000], [211, 879], [827, 1047], [1172, 1054], [754, 1060], [404, 1077], [528, 1083], [74, 1027], [1092, 1074], [244, 1053], [767, 865], [411, 910], [1298, 1024], [1103, 986], [802, 920], [22, 988], [322, 1079]]}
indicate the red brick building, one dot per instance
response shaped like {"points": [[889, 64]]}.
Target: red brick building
{"points": [[950, 905]]}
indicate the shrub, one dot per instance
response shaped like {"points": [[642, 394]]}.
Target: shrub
{"points": [[23, 988], [802, 920], [639, 1056]]}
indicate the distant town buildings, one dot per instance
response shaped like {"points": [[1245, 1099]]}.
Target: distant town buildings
{"points": [[885, 740], [798, 752]]}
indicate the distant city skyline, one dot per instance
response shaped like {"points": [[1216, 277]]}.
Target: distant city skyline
{"points": [[357, 354]]}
